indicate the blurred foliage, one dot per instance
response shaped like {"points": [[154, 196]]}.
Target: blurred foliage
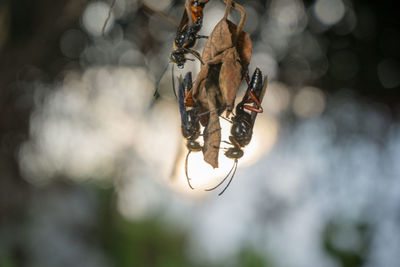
{"points": [[153, 242], [141, 243], [250, 257], [354, 257]]}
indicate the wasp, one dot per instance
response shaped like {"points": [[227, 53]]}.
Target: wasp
{"points": [[190, 119], [187, 34], [243, 122]]}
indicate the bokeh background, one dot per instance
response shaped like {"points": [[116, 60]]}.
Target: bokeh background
{"points": [[91, 166]]}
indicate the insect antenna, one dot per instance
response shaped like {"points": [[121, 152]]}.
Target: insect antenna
{"points": [[228, 120], [173, 81], [108, 17], [223, 180], [235, 165], [156, 95], [226, 142], [186, 170], [194, 54]]}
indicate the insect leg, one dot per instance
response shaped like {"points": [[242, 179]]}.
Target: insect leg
{"points": [[173, 81], [194, 53], [201, 36], [258, 108], [158, 81], [186, 170]]}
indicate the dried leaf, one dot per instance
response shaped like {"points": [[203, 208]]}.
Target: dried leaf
{"points": [[219, 40], [230, 77], [226, 54], [212, 132]]}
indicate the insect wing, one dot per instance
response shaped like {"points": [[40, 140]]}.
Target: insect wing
{"points": [[181, 96], [187, 82], [264, 89], [183, 23], [261, 93]]}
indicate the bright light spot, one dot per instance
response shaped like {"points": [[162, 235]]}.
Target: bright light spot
{"points": [[158, 138], [265, 134], [252, 20], [84, 125], [213, 15], [202, 174], [278, 98], [94, 17], [289, 14], [329, 12], [266, 63], [309, 102]]}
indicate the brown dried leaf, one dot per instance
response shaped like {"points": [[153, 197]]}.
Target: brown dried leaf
{"points": [[201, 96], [219, 40], [226, 54], [230, 77], [212, 132]]}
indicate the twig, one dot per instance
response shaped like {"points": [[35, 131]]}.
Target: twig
{"points": [[108, 17]]}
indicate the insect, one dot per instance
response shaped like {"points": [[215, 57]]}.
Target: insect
{"points": [[187, 35], [191, 116], [226, 54], [243, 123], [190, 119], [186, 38]]}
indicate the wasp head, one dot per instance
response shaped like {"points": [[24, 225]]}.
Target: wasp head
{"points": [[193, 146], [178, 57], [234, 153]]}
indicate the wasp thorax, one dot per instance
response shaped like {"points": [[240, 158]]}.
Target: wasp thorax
{"points": [[191, 127], [241, 129]]}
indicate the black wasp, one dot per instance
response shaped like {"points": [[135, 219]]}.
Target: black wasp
{"points": [[190, 118], [186, 36], [187, 33], [243, 122]]}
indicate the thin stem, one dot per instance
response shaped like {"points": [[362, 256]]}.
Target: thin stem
{"points": [[108, 17]]}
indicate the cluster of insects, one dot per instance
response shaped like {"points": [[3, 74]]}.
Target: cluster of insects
{"points": [[242, 122], [224, 65], [225, 59]]}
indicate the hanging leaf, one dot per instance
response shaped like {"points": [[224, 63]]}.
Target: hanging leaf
{"points": [[227, 55]]}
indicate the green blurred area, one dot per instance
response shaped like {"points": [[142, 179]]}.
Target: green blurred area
{"points": [[156, 243], [152, 242]]}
